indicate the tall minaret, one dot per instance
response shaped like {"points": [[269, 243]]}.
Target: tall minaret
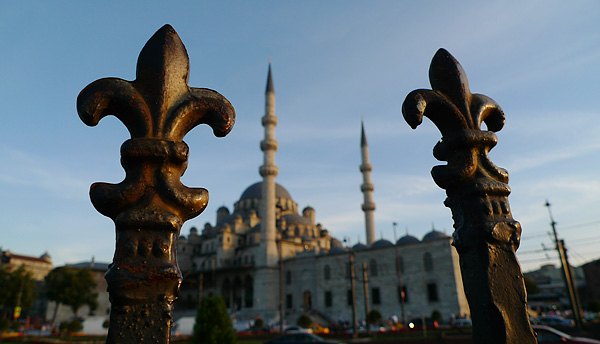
{"points": [[367, 188], [268, 248]]}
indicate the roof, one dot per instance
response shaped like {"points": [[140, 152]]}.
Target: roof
{"points": [[381, 243], [407, 239], [359, 247], [255, 191], [434, 235]]}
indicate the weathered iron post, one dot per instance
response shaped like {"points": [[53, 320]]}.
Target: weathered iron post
{"points": [[150, 205], [486, 236]]}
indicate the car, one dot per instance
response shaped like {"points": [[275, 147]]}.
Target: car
{"points": [[300, 338], [548, 335], [295, 329], [462, 323], [552, 320]]}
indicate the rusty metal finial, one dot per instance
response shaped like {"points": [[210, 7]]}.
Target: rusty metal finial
{"points": [[486, 235], [151, 204]]}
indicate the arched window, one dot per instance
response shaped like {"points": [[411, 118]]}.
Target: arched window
{"points": [[288, 277], [428, 261], [327, 272], [373, 267]]}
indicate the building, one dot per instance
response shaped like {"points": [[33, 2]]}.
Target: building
{"points": [[39, 267], [265, 251], [553, 295]]}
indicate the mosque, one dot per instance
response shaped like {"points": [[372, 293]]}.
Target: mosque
{"points": [[266, 258]]}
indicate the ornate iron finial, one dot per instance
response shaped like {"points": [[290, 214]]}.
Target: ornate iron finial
{"points": [[151, 204], [486, 235]]}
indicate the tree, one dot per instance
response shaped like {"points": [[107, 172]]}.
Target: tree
{"points": [[18, 289], [374, 317], [213, 325], [304, 321], [530, 285], [71, 287]]}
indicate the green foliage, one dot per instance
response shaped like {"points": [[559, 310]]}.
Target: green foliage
{"points": [[71, 326], [530, 285], [18, 288], [304, 321], [436, 315], [374, 317], [72, 287], [213, 324], [258, 323], [106, 323], [4, 325]]}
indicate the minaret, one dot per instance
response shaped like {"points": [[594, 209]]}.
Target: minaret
{"points": [[367, 188], [268, 248]]}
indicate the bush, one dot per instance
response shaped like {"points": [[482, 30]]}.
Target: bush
{"points": [[75, 326], [106, 323], [304, 321], [436, 316], [213, 325], [374, 317]]}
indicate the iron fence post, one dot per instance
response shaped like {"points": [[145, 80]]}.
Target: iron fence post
{"points": [[150, 205], [486, 236]]}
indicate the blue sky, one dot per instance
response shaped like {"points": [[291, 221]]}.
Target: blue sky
{"points": [[333, 63]]}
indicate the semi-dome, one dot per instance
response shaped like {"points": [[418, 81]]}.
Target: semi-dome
{"points": [[295, 219], [407, 239], [255, 191], [381, 243], [359, 247], [434, 235]]}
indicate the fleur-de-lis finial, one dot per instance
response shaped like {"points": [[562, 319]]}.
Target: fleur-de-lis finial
{"points": [[151, 204], [486, 235]]}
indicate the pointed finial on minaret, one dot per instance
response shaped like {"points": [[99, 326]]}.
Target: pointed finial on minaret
{"points": [[270, 87], [363, 137]]}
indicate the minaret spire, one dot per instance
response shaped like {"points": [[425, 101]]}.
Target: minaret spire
{"points": [[268, 248], [367, 187]]}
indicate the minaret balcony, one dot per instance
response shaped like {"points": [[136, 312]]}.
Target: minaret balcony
{"points": [[271, 170], [366, 167], [368, 207], [267, 145], [269, 120], [367, 187]]}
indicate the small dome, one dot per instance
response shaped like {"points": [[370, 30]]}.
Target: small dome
{"points": [[46, 257], [407, 239], [359, 247], [336, 243], [434, 235], [255, 191], [381, 243], [193, 231]]}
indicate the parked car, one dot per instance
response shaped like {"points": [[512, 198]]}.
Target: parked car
{"points": [[462, 323], [548, 335], [553, 320], [295, 329], [300, 338]]}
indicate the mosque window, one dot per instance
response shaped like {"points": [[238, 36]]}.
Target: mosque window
{"points": [[348, 270], [428, 261], [328, 299], [432, 292], [327, 272], [373, 267], [288, 277], [349, 297], [376, 296], [288, 301], [248, 292]]}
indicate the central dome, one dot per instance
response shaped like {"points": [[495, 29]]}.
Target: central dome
{"points": [[255, 191]]}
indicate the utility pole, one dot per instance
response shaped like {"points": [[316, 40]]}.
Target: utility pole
{"points": [[399, 271], [366, 286], [353, 292], [567, 273]]}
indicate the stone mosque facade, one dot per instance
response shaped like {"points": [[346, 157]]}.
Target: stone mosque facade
{"points": [[264, 254]]}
